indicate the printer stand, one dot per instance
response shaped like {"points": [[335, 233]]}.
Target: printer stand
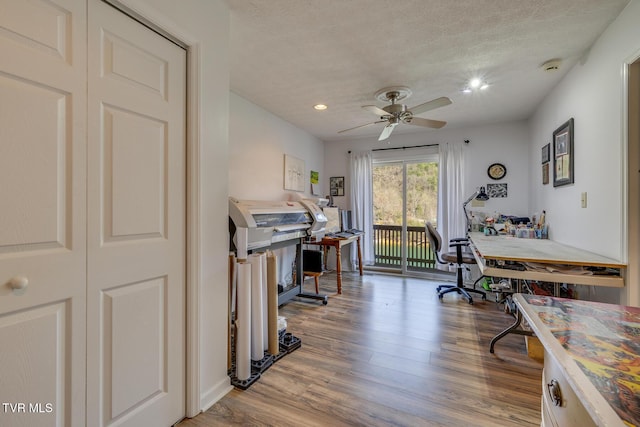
{"points": [[296, 291]]}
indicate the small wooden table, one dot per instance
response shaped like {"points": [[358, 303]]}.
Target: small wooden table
{"points": [[338, 243]]}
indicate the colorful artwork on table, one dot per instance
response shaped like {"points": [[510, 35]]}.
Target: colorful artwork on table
{"points": [[604, 341]]}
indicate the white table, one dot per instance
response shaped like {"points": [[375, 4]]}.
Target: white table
{"points": [[492, 251]]}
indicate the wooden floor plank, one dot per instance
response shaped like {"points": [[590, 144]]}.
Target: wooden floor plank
{"points": [[387, 352]]}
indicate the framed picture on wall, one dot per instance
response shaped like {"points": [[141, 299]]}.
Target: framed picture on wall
{"points": [[545, 173], [497, 190], [563, 154], [545, 153], [336, 185], [293, 173]]}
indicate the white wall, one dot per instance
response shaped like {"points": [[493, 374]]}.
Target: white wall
{"points": [[505, 143], [204, 24], [593, 94], [258, 142]]}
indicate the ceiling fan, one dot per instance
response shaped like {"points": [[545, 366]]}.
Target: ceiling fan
{"points": [[394, 114]]}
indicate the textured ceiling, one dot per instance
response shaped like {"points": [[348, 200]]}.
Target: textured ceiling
{"points": [[287, 55]]}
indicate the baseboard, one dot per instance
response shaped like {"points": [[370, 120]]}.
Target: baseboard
{"points": [[215, 393]]}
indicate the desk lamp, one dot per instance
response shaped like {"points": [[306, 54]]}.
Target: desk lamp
{"points": [[478, 195]]}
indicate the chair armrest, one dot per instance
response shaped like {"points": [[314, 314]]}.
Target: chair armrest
{"points": [[459, 239]]}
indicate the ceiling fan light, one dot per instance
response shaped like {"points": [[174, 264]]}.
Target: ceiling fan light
{"points": [[466, 90], [484, 86], [475, 83]]}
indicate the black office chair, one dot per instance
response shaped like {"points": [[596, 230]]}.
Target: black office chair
{"points": [[459, 257]]}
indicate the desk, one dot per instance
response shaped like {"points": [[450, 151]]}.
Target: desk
{"points": [[491, 251], [338, 243], [592, 360]]}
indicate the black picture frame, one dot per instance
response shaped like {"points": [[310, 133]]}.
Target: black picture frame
{"points": [[497, 190], [563, 168], [546, 154], [336, 185]]}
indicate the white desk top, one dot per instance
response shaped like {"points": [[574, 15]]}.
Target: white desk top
{"points": [[506, 248], [509, 248]]}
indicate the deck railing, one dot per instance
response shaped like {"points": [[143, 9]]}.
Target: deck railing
{"points": [[387, 241]]}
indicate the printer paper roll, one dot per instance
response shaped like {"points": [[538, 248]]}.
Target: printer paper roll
{"points": [[265, 311], [232, 306], [243, 323], [257, 344], [272, 304]]}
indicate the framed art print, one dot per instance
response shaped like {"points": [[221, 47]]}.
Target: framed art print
{"points": [[563, 154], [293, 173], [336, 185], [545, 153]]}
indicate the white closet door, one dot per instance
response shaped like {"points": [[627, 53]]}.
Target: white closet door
{"points": [[42, 212], [136, 225]]}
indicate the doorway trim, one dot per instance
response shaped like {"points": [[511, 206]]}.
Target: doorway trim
{"points": [[631, 176], [180, 36]]}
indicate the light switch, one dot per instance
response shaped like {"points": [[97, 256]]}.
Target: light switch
{"points": [[583, 199]]}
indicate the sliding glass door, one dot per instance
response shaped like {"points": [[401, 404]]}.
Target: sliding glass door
{"points": [[405, 195]]}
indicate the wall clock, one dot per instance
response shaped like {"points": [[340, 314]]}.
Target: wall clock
{"points": [[497, 171]]}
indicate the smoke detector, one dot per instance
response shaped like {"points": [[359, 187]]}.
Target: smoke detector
{"points": [[552, 65]]}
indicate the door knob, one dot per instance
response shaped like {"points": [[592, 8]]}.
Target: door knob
{"points": [[18, 282]]}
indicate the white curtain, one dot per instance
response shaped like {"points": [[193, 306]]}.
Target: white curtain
{"points": [[451, 220], [362, 203]]}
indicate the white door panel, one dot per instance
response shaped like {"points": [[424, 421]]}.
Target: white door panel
{"points": [[136, 226], [43, 207], [37, 349]]}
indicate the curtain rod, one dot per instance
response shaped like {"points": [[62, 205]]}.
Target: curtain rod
{"points": [[466, 141], [402, 148]]}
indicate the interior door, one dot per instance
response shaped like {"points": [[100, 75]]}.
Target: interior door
{"points": [[42, 212], [136, 226]]}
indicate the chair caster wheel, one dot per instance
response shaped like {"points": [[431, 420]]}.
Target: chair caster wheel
{"points": [[484, 297], [470, 301], [325, 302]]}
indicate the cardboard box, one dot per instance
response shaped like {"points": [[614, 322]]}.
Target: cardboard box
{"points": [[535, 350]]}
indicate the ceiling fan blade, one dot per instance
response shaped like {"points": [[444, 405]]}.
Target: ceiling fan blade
{"points": [[427, 123], [361, 126], [387, 131], [431, 105], [375, 110]]}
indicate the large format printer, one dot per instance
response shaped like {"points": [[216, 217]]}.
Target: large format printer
{"points": [[271, 222], [261, 225]]}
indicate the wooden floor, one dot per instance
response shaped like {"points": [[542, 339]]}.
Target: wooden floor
{"points": [[387, 352]]}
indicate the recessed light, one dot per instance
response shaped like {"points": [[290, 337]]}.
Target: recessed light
{"points": [[474, 83], [320, 107]]}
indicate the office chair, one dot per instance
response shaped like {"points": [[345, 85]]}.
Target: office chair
{"points": [[459, 257]]}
